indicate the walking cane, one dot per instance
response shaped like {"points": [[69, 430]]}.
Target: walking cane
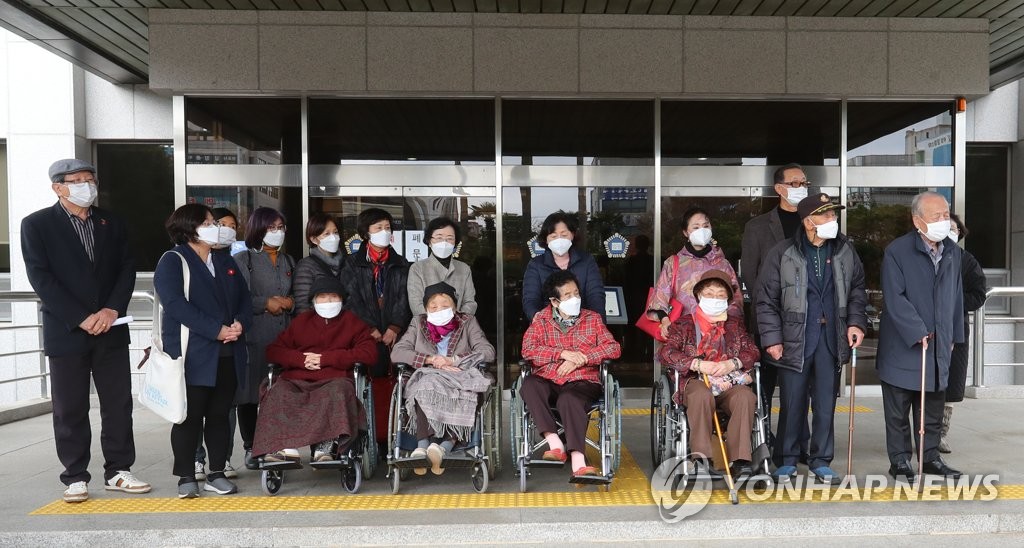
{"points": [[733, 495], [920, 428], [853, 399]]}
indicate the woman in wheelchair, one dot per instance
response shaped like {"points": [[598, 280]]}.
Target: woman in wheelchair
{"points": [[709, 344], [445, 347], [566, 345], [314, 401]]}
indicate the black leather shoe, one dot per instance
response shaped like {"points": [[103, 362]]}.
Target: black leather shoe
{"points": [[902, 470], [741, 470], [939, 468], [250, 462]]}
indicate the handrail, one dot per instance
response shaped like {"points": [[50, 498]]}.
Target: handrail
{"points": [[10, 296], [979, 332]]}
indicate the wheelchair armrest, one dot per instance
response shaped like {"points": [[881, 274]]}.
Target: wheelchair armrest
{"points": [[359, 368], [606, 366], [275, 369], [525, 367], [484, 366], [402, 368]]}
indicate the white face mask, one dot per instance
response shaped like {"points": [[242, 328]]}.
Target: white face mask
{"points": [[700, 237], [274, 239], [441, 317], [82, 194], [330, 243], [208, 234], [828, 230], [713, 307], [327, 310], [571, 306], [560, 246], [225, 237], [794, 195], [442, 250], [381, 239], [937, 231]]}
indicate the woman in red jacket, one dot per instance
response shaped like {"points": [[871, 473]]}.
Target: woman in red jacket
{"points": [[314, 401]]}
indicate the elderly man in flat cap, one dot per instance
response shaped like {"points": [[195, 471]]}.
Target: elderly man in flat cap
{"points": [[810, 312], [78, 262]]}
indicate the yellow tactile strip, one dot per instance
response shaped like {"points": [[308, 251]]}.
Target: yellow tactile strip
{"points": [[839, 409]]}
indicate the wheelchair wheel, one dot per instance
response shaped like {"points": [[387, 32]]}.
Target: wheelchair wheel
{"points": [[394, 423], [491, 434], [395, 480], [661, 432], [523, 473], [352, 477], [271, 481], [369, 460], [515, 429], [481, 477]]}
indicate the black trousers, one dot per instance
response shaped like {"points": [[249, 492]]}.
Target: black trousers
{"points": [[958, 371], [571, 399], [769, 380], [69, 388], [817, 383], [247, 413], [209, 403], [897, 403]]}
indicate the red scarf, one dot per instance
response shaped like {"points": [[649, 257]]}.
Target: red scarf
{"points": [[712, 336], [438, 332], [378, 259]]}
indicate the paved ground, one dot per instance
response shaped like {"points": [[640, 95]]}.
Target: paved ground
{"points": [[312, 509]]}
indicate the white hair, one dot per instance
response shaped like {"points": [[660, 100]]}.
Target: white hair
{"points": [[915, 204]]}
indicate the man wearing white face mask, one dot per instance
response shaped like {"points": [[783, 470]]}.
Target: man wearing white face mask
{"points": [[324, 258], [77, 260], [760, 235], [810, 313], [922, 291], [443, 236]]}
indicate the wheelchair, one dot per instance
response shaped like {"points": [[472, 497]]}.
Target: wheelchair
{"points": [[526, 441], [670, 431], [357, 464], [480, 453]]}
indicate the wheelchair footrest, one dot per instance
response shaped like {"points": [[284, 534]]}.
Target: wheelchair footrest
{"points": [[458, 461], [281, 465], [541, 463], [407, 462], [758, 478], [590, 480], [343, 462]]}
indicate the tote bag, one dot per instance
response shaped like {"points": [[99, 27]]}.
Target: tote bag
{"points": [[652, 327], [163, 389]]}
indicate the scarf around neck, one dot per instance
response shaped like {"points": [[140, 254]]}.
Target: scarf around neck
{"points": [[438, 332], [712, 336], [334, 262], [378, 260]]}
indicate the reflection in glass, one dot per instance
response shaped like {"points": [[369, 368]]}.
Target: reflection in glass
{"points": [[603, 212], [243, 130], [986, 184], [900, 134], [735, 133]]}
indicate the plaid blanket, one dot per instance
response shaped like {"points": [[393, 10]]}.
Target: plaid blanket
{"points": [[448, 399]]}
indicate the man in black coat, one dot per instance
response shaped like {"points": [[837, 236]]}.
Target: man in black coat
{"points": [[922, 290], [760, 235], [78, 262]]}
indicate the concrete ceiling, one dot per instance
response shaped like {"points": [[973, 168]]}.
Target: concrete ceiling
{"points": [[110, 37]]}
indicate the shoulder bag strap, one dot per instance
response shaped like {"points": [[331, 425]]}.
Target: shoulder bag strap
{"points": [[158, 310]]}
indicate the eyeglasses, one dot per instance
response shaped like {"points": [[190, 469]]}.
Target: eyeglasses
{"points": [[798, 184], [277, 228], [211, 223], [439, 239]]}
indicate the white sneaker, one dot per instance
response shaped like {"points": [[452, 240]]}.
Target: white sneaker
{"points": [[77, 492], [229, 471], [436, 454], [125, 481], [419, 453], [200, 471]]}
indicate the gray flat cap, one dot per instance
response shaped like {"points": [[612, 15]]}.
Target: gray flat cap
{"points": [[60, 168]]}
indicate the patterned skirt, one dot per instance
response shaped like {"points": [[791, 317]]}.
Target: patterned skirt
{"points": [[297, 413]]}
